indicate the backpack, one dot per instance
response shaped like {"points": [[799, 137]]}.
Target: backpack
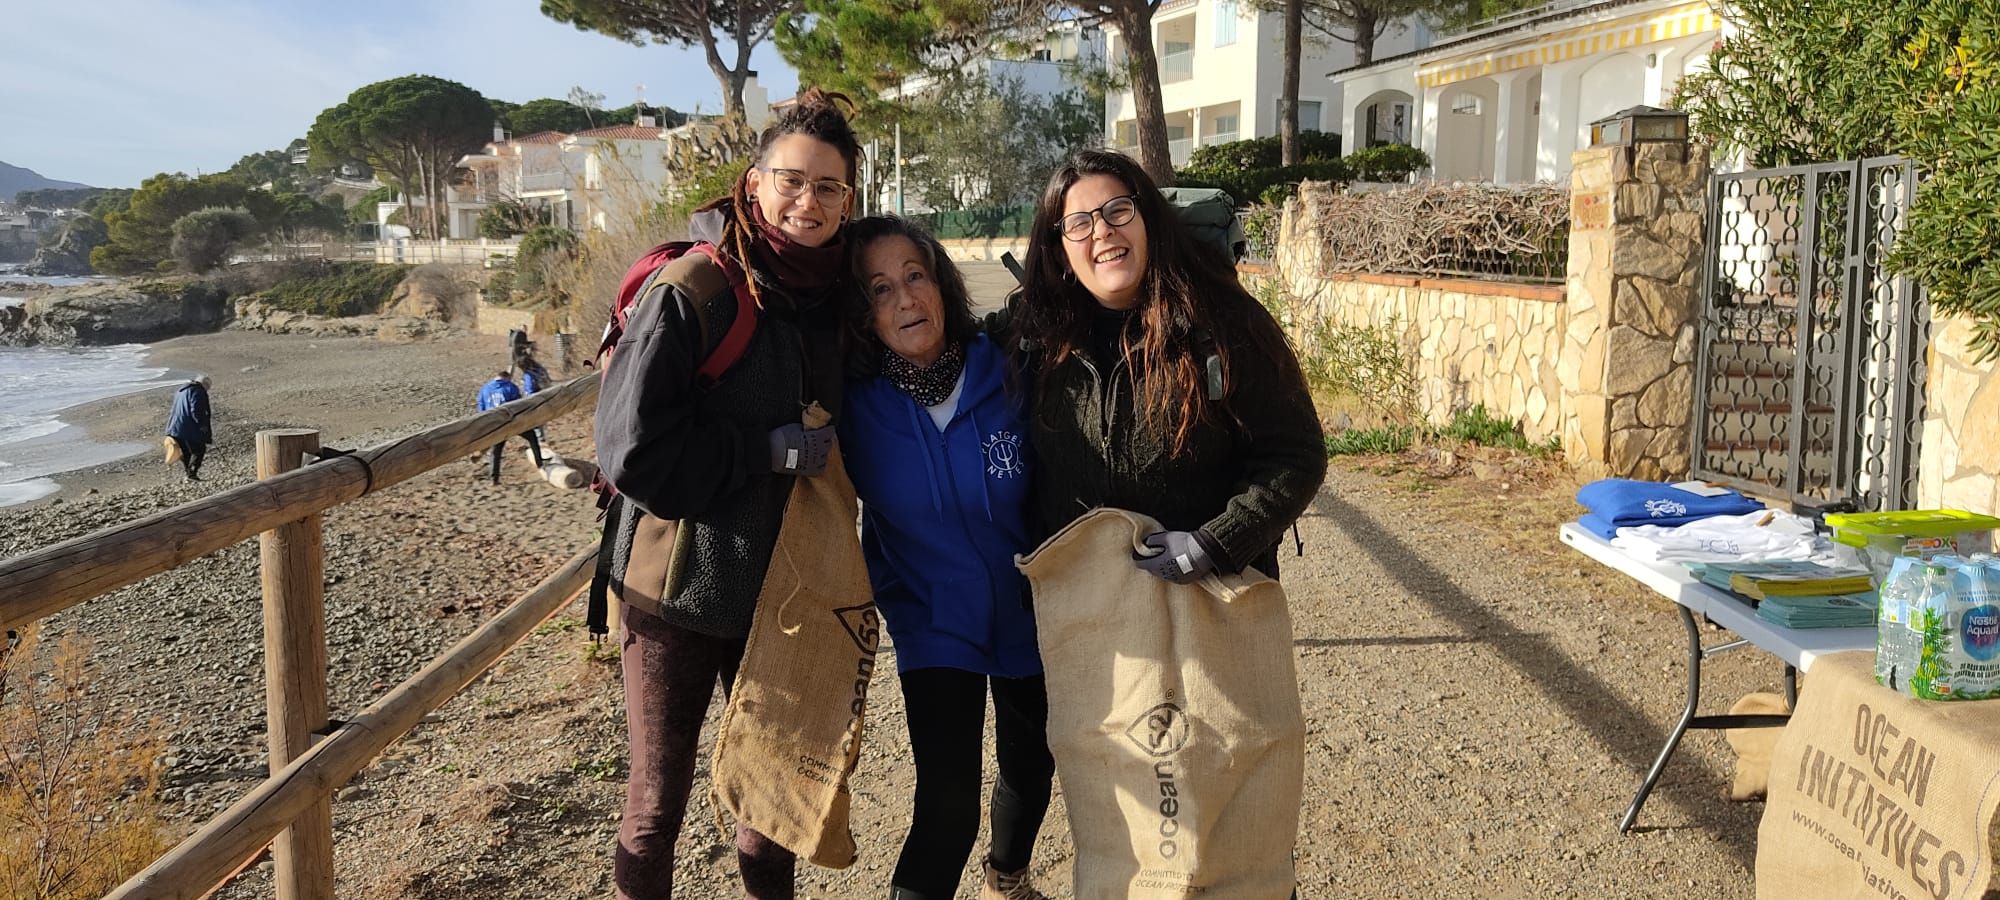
{"points": [[1210, 214], [675, 263]]}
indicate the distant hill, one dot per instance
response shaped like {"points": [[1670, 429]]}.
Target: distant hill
{"points": [[14, 179]]}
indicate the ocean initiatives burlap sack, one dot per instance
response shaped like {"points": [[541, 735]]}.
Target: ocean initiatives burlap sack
{"points": [[1874, 794], [791, 733], [1174, 718]]}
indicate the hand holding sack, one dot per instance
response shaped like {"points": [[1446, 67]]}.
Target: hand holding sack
{"points": [[791, 734], [1173, 714]]}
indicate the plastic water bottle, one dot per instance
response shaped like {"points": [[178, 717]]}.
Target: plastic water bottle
{"points": [[1894, 659], [1930, 675]]}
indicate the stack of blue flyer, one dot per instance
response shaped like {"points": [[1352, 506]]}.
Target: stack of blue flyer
{"points": [[1797, 594]]}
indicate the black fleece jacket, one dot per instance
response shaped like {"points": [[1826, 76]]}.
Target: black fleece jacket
{"points": [[702, 456]]}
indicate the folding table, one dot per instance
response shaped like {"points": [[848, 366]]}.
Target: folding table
{"points": [[1797, 647]]}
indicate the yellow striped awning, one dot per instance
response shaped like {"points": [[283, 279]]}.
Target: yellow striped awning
{"points": [[1537, 50]]}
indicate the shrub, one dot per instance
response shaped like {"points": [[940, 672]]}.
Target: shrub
{"points": [[78, 778], [323, 288], [1263, 153], [1387, 162], [1386, 439], [203, 239], [509, 218], [1247, 185], [1260, 229]]}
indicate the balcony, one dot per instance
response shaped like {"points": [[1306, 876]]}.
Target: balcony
{"points": [[1221, 137], [1177, 66], [1179, 150], [544, 181]]}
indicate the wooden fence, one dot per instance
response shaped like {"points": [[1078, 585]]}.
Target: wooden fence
{"points": [[291, 811]]}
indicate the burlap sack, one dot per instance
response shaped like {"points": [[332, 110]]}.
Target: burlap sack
{"points": [[1753, 746], [1874, 794], [791, 733], [1174, 717], [172, 448]]}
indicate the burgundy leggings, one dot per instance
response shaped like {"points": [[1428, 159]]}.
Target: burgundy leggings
{"points": [[670, 674]]}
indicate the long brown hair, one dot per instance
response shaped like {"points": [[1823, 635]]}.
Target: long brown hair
{"points": [[1188, 289], [818, 115]]}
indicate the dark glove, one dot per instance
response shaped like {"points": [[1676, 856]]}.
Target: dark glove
{"points": [[798, 450], [1181, 560]]}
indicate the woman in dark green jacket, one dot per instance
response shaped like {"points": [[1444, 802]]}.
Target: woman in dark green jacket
{"points": [[1159, 385]]}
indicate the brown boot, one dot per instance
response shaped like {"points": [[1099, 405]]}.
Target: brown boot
{"points": [[998, 885]]}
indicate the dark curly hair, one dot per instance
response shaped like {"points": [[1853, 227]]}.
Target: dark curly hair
{"points": [[818, 115], [959, 323], [1188, 289]]}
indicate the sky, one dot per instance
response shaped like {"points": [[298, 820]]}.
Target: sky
{"points": [[109, 92]]}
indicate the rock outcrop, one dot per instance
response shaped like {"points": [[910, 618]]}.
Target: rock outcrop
{"points": [[119, 313]]}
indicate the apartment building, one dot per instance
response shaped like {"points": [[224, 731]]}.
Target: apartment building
{"points": [[1221, 72]]}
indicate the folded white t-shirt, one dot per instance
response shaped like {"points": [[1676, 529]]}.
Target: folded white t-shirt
{"points": [[1784, 536]]}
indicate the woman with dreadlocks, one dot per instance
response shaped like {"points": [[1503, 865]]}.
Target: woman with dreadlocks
{"points": [[718, 457]]}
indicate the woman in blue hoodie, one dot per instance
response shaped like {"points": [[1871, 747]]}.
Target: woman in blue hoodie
{"points": [[934, 444]]}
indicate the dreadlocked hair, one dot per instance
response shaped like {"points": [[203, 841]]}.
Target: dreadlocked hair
{"points": [[817, 114], [1188, 289]]}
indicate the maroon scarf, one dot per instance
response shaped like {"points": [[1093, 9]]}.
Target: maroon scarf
{"points": [[796, 266]]}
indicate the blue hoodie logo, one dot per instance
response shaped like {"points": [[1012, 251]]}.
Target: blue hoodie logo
{"points": [[1003, 455]]}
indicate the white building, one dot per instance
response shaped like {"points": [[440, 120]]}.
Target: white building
{"points": [[1509, 102], [1221, 72]]}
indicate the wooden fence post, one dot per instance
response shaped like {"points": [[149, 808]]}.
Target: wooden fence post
{"points": [[294, 581]]}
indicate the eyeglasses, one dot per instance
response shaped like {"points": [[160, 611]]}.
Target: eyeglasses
{"points": [[792, 182], [1116, 211]]}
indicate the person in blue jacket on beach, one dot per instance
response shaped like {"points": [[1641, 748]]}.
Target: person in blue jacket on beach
{"points": [[494, 393], [934, 444], [188, 424]]}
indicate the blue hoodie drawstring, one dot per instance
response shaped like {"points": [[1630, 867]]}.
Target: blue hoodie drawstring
{"points": [[924, 428], [985, 492]]}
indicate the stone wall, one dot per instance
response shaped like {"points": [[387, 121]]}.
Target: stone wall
{"points": [[1958, 465], [1471, 342], [1635, 255]]}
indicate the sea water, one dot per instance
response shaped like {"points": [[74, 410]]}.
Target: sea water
{"points": [[36, 385]]}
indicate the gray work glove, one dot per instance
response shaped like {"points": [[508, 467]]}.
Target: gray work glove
{"points": [[798, 450], [1181, 559]]}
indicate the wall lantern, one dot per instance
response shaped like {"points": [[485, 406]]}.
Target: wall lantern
{"points": [[1639, 125]]}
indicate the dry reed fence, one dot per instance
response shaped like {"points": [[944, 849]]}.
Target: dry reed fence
{"points": [[1517, 233]]}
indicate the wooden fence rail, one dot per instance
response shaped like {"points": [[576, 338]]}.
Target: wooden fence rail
{"points": [[55, 578], [206, 858]]}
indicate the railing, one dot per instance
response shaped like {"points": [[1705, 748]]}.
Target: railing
{"points": [[475, 251], [1177, 66], [545, 181], [1221, 137], [1179, 150], [291, 810]]}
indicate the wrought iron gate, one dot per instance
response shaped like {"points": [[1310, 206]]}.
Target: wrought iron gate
{"points": [[1810, 360]]}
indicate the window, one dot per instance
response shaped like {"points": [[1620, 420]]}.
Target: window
{"points": [[1225, 125], [1308, 114], [1225, 22]]}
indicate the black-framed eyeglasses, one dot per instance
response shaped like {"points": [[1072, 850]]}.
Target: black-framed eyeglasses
{"points": [[792, 182], [1115, 212]]}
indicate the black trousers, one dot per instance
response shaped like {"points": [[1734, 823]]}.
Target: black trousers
{"points": [[534, 444], [191, 456], [947, 718]]}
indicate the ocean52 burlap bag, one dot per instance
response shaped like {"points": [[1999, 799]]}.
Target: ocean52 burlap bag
{"points": [[1174, 717]]}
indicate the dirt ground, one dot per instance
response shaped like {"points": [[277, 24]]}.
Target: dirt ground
{"points": [[1481, 702]]}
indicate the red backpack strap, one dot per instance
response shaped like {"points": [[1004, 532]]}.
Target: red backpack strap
{"points": [[737, 339]]}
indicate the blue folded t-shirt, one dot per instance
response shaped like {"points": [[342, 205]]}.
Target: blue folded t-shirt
{"points": [[1625, 503]]}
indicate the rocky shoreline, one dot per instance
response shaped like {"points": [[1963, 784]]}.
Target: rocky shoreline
{"points": [[121, 312]]}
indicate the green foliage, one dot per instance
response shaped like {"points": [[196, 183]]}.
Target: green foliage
{"points": [[864, 47], [508, 218], [1246, 185], [141, 234], [203, 239], [323, 288], [411, 129], [975, 143], [1802, 82], [1263, 153], [698, 186], [1387, 162], [1482, 427], [545, 239], [983, 222], [1386, 439], [363, 210], [549, 114], [108, 201], [275, 168], [1261, 223], [57, 198], [685, 23], [298, 215]]}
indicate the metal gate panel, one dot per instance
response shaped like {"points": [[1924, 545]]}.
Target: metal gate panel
{"points": [[1806, 347]]}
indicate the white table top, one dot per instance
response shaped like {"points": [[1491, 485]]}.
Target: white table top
{"points": [[1798, 646]]}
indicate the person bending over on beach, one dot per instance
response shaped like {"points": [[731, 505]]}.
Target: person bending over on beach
{"points": [[188, 424], [534, 376], [717, 460], [933, 439], [502, 390]]}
